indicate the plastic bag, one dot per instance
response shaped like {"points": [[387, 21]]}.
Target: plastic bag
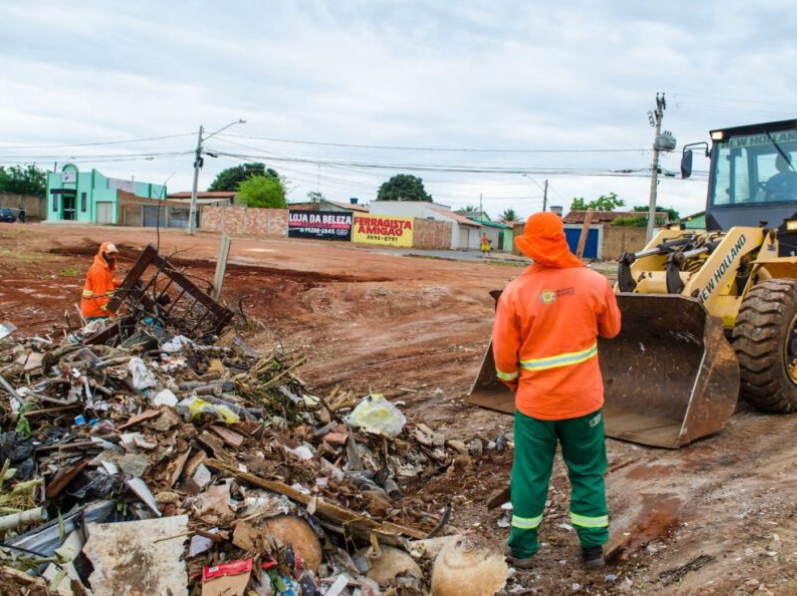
{"points": [[175, 344], [377, 415], [196, 407], [165, 398], [141, 376]]}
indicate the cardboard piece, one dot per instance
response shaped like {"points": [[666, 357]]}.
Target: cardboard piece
{"points": [[229, 579]]}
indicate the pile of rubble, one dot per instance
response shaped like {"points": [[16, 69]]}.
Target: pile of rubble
{"points": [[159, 454]]}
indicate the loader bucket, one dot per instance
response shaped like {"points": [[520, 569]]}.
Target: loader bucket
{"points": [[670, 377]]}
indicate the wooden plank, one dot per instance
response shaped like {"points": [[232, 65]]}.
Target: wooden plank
{"points": [[146, 415], [221, 266], [582, 240], [232, 438]]}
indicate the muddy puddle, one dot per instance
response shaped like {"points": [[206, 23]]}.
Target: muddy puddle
{"points": [[658, 518]]}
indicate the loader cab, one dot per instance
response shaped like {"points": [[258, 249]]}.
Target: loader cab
{"points": [[753, 176]]}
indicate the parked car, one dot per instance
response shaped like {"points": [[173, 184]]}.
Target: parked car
{"points": [[7, 215]]}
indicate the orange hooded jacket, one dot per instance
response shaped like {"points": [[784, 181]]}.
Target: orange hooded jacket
{"points": [[547, 324], [100, 285]]}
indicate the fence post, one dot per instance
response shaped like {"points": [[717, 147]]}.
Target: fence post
{"points": [[221, 266]]}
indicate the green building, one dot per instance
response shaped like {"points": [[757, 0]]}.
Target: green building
{"points": [[696, 221], [90, 197]]}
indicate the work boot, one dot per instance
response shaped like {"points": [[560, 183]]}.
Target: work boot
{"points": [[517, 562], [593, 556]]}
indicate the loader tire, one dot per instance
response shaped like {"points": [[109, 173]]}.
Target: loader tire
{"points": [[765, 340]]}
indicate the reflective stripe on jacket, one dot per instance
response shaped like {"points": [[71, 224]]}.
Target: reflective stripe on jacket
{"points": [[545, 339]]}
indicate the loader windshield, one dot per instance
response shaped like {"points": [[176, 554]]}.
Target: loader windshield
{"points": [[749, 169]]}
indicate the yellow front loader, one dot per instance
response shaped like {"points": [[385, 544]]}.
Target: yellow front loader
{"points": [[706, 313]]}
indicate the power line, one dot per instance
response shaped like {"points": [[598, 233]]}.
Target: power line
{"points": [[161, 138], [627, 172], [63, 156], [436, 149]]}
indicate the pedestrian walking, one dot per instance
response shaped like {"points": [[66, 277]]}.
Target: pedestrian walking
{"points": [[485, 244]]}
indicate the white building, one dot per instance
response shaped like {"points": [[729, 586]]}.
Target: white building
{"points": [[465, 233]]}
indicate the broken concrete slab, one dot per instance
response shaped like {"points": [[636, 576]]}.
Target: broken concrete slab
{"points": [[138, 558]]}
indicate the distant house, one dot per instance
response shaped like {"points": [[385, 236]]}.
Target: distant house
{"points": [[464, 232], [696, 221], [90, 197], [210, 197], [326, 205]]}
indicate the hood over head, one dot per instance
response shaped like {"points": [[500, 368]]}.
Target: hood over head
{"points": [[544, 241], [105, 247]]}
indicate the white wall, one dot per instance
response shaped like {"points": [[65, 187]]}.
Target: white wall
{"points": [[400, 208], [419, 209], [474, 238]]}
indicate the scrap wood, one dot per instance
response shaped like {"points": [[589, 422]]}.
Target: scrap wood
{"points": [[22, 578], [336, 514], [499, 498], [177, 466], [144, 416], [232, 438], [63, 478]]}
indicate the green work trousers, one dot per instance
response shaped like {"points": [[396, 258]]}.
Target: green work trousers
{"points": [[584, 451]]}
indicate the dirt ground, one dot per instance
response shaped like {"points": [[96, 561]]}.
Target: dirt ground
{"points": [[717, 517]]}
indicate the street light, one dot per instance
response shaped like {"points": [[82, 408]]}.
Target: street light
{"points": [[197, 166]]}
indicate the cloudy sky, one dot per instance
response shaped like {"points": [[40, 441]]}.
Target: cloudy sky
{"points": [[339, 96]]}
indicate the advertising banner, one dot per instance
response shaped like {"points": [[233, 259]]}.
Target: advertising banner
{"points": [[319, 225], [384, 230]]}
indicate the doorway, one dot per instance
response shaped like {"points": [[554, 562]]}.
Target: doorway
{"points": [[69, 207], [463, 238]]}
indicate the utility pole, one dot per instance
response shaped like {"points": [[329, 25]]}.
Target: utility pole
{"points": [[198, 161], [481, 209], [545, 196], [655, 121], [197, 167]]}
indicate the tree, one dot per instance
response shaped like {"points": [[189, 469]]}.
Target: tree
{"points": [[229, 180], [316, 196], [672, 214], [28, 180], [470, 209], [509, 215], [403, 187], [263, 191], [663, 217], [608, 202]]}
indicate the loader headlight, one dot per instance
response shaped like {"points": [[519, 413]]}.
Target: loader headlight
{"points": [[791, 225], [717, 135]]}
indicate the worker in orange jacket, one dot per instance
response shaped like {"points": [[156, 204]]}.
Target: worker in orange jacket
{"points": [[545, 346], [100, 284]]}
